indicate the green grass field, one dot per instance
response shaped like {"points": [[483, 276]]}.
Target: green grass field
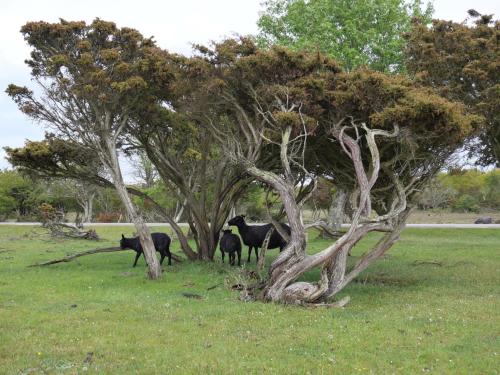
{"points": [[99, 315]]}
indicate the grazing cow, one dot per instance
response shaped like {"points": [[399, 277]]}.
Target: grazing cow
{"points": [[231, 244], [160, 240], [253, 235]]}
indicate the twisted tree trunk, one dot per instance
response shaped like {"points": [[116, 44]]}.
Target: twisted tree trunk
{"points": [[154, 269], [293, 262], [384, 244]]}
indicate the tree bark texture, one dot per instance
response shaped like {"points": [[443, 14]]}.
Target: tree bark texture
{"points": [[337, 208]]}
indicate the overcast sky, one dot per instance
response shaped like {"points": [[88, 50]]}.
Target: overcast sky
{"points": [[175, 24]]}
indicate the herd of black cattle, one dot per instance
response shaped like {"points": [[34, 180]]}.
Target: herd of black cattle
{"points": [[252, 235]]}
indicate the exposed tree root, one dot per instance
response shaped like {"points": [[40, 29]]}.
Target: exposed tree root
{"points": [[214, 286], [340, 303]]}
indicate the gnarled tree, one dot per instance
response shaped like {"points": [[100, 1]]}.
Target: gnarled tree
{"points": [[382, 135], [93, 78], [108, 90]]}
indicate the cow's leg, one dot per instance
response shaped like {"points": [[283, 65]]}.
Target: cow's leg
{"points": [[223, 254], [136, 258], [249, 253], [239, 258]]}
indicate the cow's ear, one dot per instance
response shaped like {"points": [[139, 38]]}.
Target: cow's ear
{"points": [[243, 216], [123, 236]]}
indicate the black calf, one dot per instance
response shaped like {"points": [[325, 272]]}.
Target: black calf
{"points": [[231, 244], [160, 240]]}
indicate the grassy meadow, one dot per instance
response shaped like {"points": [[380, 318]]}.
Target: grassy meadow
{"points": [[430, 306]]}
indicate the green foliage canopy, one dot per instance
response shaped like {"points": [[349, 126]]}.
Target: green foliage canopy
{"points": [[354, 32], [270, 89], [480, 189], [462, 62], [94, 79], [14, 193]]}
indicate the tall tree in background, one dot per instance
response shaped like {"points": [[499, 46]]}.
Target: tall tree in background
{"points": [[93, 79], [83, 193], [180, 145], [15, 192], [462, 61], [354, 32], [143, 170]]}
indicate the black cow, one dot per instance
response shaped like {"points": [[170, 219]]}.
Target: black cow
{"points": [[160, 240], [253, 235]]}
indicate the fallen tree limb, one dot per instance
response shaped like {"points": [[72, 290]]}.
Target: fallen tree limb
{"points": [[69, 258], [58, 229]]}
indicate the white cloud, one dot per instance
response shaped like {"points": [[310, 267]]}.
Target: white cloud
{"points": [[456, 10]]}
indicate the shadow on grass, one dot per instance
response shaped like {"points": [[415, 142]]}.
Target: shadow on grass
{"points": [[384, 279]]}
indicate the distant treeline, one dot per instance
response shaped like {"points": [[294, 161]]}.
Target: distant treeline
{"points": [[461, 190], [20, 197]]}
